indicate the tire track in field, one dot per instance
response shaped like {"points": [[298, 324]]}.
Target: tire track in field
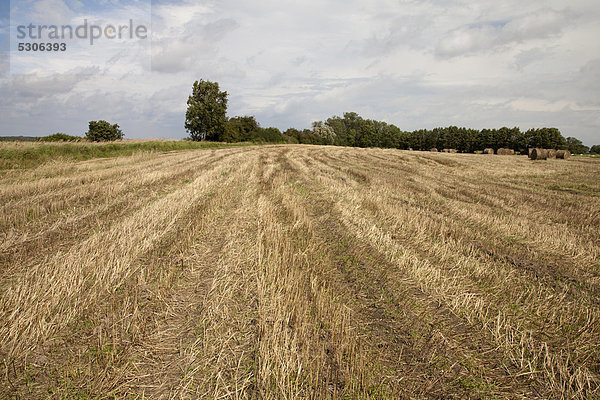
{"points": [[391, 367], [305, 336], [180, 355]]}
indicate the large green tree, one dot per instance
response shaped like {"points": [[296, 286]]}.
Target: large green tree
{"points": [[205, 118], [102, 131]]}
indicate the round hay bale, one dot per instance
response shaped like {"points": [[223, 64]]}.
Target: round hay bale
{"points": [[505, 152], [433, 150], [539, 154], [551, 153], [488, 151], [563, 154], [452, 151], [529, 152]]}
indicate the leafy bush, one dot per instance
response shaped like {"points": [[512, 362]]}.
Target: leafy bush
{"points": [[60, 137]]}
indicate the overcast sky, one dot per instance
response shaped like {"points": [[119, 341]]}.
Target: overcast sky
{"points": [[416, 64]]}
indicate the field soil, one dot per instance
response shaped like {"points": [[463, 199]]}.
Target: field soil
{"points": [[285, 272]]}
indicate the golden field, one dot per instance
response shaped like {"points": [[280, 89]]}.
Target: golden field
{"points": [[291, 271]]}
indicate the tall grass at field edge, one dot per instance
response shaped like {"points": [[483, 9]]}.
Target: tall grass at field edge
{"points": [[27, 154]]}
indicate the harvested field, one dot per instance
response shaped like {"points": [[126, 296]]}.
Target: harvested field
{"points": [[301, 272]]}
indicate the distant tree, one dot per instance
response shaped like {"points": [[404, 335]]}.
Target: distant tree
{"points": [[519, 141], [390, 136], [339, 129], [308, 137], [205, 118], [366, 134], [595, 149], [504, 138], [546, 138], [353, 130], [486, 139], [416, 138], [292, 135], [102, 131], [241, 129], [430, 139], [271, 134], [324, 132], [576, 146]]}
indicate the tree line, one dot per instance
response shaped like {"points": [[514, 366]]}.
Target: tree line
{"points": [[353, 130], [206, 120]]}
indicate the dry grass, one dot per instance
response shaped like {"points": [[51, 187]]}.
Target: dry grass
{"points": [[301, 272]]}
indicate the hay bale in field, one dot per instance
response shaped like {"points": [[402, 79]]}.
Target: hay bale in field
{"points": [[505, 152], [488, 151], [563, 154], [452, 151], [551, 153], [529, 150], [433, 150], [539, 154]]}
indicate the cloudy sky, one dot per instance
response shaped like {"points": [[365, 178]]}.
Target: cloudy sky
{"points": [[416, 64]]}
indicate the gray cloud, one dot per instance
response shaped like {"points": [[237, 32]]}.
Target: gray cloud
{"points": [[186, 50], [403, 31], [488, 36], [34, 85]]}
